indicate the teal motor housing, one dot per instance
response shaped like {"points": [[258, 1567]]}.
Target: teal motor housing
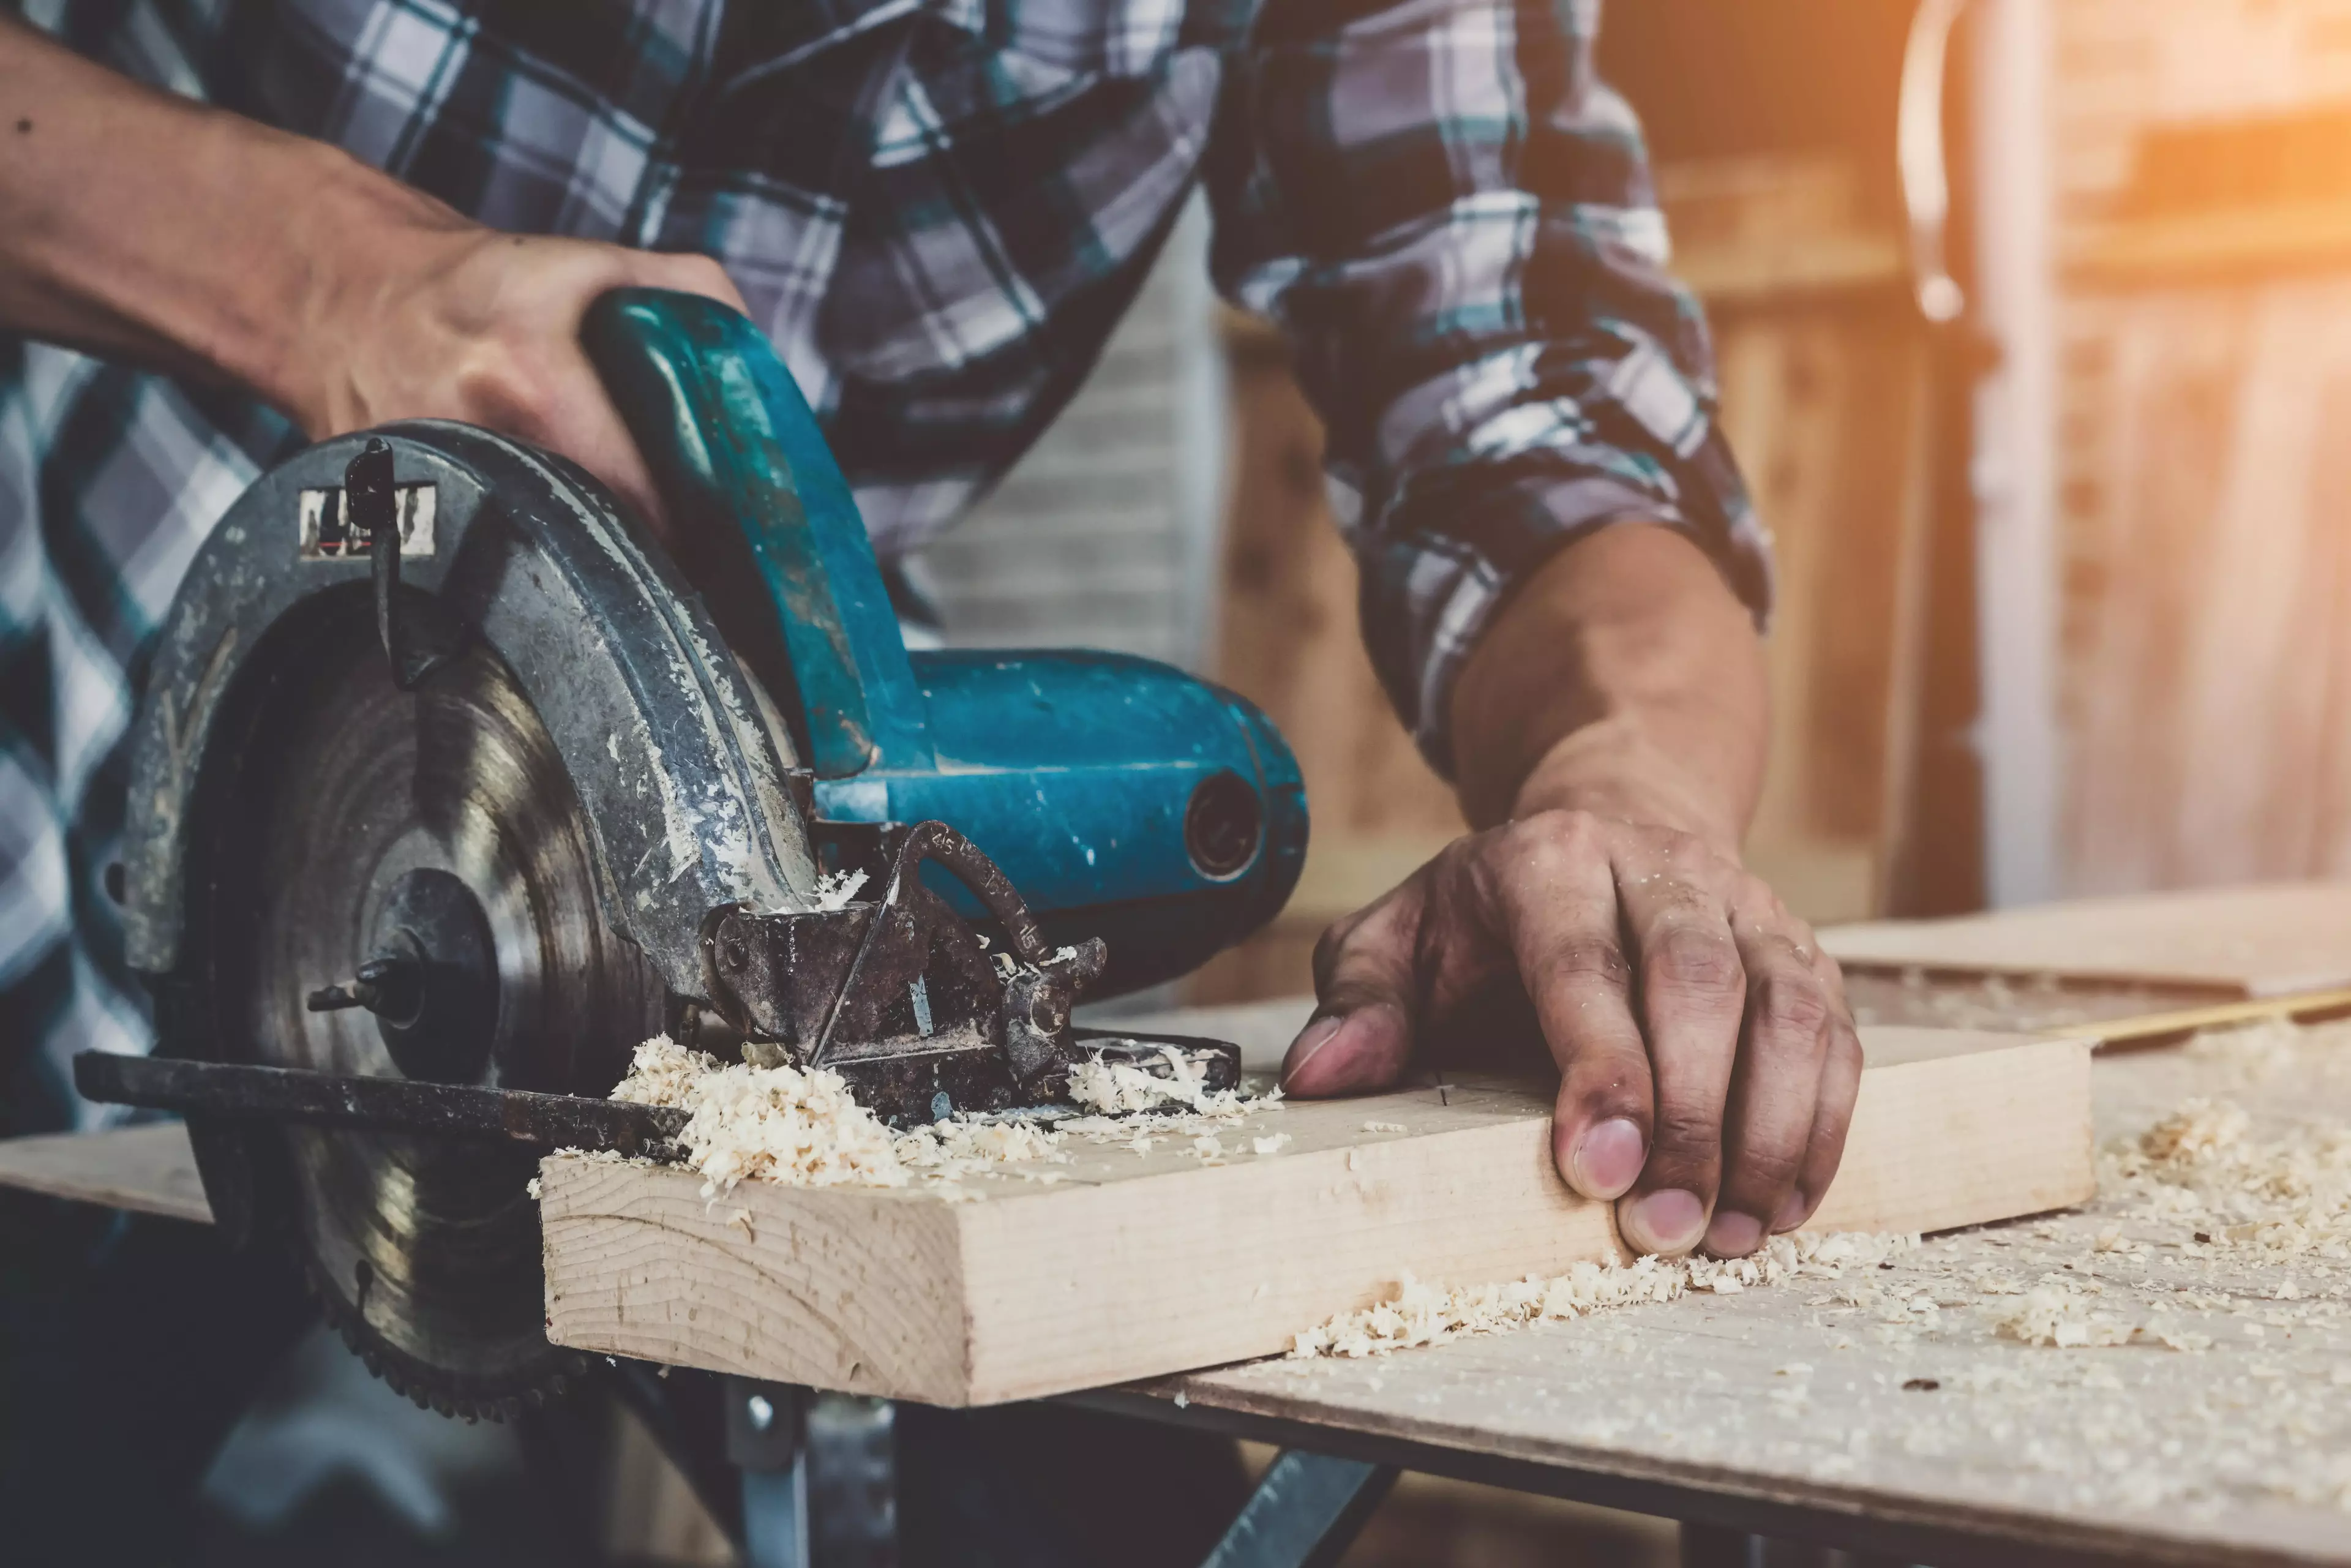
{"points": [[1125, 799]]}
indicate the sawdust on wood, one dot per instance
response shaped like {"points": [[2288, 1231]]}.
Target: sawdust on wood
{"points": [[2181, 1343], [1118, 1088], [803, 1127], [1424, 1314]]}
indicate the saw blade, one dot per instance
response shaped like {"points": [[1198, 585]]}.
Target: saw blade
{"points": [[365, 819]]}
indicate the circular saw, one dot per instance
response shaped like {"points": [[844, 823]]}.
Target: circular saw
{"points": [[451, 785]]}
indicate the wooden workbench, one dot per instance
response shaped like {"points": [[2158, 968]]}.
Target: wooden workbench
{"points": [[1793, 1413], [1904, 1424]]}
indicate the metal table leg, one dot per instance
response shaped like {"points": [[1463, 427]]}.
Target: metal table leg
{"points": [[1304, 1513], [820, 1476], [853, 1482], [765, 1424]]}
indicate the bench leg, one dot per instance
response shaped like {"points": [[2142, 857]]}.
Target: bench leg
{"points": [[1304, 1513]]}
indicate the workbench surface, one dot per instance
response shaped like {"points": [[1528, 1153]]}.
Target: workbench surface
{"points": [[1887, 1410], [1884, 1411]]}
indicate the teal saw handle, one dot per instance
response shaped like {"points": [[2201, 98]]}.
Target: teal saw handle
{"points": [[763, 523], [1125, 799]]}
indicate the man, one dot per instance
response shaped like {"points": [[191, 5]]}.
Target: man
{"points": [[343, 211]]}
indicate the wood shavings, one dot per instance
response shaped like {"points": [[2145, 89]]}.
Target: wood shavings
{"points": [[973, 1145], [777, 1124], [804, 1128], [1423, 1314], [1114, 1088], [2199, 1171], [834, 890], [2058, 1312], [1385, 1127], [2251, 1053]]}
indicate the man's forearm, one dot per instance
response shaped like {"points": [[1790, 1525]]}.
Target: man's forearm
{"points": [[148, 228], [1624, 678]]}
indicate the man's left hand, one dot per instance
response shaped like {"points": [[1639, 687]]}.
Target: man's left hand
{"points": [[1611, 722]]}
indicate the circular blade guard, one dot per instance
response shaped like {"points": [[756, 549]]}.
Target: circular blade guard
{"points": [[521, 851]]}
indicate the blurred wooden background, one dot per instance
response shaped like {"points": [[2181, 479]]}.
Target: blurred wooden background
{"points": [[2203, 154]]}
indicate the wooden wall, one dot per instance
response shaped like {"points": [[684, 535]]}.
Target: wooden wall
{"points": [[2203, 157]]}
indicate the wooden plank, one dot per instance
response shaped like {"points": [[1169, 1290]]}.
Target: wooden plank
{"points": [[149, 1169], [2273, 940], [1744, 1407], [1134, 1266]]}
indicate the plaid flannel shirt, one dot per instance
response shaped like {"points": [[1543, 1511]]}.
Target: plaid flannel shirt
{"points": [[937, 209]]}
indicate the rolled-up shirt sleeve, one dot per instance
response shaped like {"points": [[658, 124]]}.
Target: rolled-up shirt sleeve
{"points": [[1452, 218]]}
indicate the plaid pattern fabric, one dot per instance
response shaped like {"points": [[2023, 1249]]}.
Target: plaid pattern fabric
{"points": [[937, 210]]}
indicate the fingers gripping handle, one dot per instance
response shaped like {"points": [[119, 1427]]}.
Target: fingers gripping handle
{"points": [[762, 522]]}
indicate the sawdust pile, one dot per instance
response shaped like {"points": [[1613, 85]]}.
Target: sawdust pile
{"points": [[2201, 1169], [773, 1124], [1423, 1314], [1138, 1111], [803, 1128], [1115, 1089]]}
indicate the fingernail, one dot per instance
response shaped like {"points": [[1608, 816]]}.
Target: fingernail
{"points": [[1792, 1209], [1608, 1160], [1668, 1221], [1311, 1039], [1733, 1234]]}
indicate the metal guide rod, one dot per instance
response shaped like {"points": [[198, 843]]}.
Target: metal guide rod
{"points": [[386, 1104]]}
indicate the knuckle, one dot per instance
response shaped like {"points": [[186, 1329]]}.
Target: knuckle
{"points": [[1593, 959], [1790, 1002], [698, 271], [1756, 1171], [1332, 943], [498, 382], [1687, 1135], [1557, 836], [1367, 933], [1688, 958]]}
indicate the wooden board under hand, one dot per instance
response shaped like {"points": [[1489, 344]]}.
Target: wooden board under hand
{"points": [[2273, 940], [1133, 1266]]}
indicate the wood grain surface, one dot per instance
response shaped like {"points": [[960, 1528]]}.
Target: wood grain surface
{"points": [[1130, 1265]]}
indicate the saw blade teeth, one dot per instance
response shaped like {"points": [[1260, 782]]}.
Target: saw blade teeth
{"points": [[296, 896]]}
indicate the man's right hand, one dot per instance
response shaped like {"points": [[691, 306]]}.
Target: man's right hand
{"points": [[158, 231], [455, 321]]}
